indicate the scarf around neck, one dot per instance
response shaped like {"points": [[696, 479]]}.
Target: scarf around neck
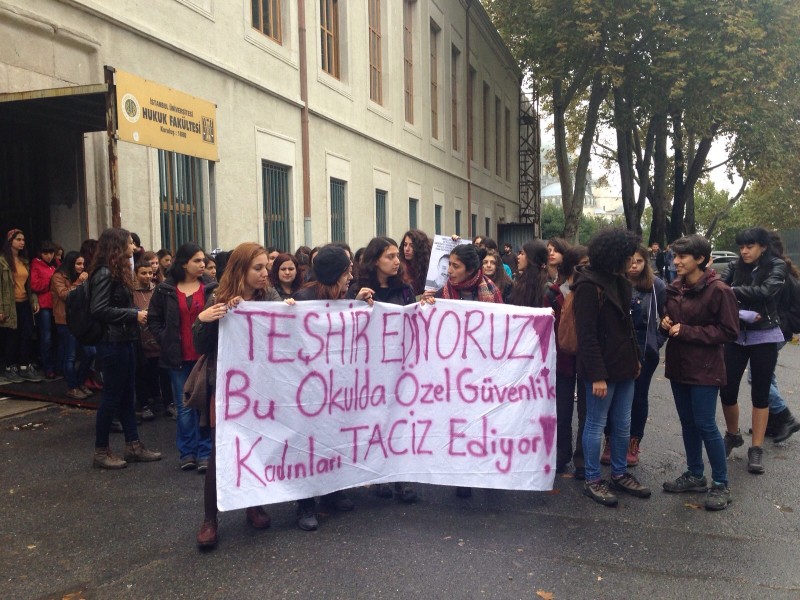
{"points": [[485, 290]]}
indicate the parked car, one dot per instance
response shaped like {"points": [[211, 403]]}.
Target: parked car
{"points": [[723, 257]]}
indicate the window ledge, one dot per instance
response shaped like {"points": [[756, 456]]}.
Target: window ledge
{"points": [[337, 85], [380, 110]]}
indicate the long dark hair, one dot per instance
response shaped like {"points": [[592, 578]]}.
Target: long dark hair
{"points": [[274, 273], [417, 269], [111, 248], [68, 266], [644, 280], [778, 250], [368, 272], [177, 270], [753, 235], [530, 286], [500, 277], [8, 253]]}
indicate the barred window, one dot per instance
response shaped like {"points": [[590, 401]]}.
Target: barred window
{"points": [[181, 199], [471, 112], [408, 59], [329, 36], [275, 183], [437, 219], [498, 136], [380, 212], [413, 208], [375, 52], [485, 125], [434, 81], [458, 222], [267, 18], [454, 53], [338, 208]]}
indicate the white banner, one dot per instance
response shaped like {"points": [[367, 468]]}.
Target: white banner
{"points": [[323, 396]]}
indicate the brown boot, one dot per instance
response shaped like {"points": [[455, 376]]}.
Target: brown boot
{"points": [[633, 452], [257, 517], [105, 459], [605, 457], [136, 452], [207, 536]]}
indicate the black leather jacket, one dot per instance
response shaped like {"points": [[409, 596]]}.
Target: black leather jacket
{"points": [[758, 289], [164, 321], [112, 304]]}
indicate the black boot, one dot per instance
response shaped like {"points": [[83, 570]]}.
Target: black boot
{"points": [[786, 425]]}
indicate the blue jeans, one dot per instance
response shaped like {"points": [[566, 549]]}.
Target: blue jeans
{"points": [[697, 410], [616, 409], [117, 362], [189, 439], [44, 321], [68, 347]]}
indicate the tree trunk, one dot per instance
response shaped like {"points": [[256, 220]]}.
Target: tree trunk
{"points": [[679, 196], [561, 152], [623, 125], [572, 218], [687, 189], [658, 201]]}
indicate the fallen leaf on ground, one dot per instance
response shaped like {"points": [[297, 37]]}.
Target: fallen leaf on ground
{"points": [[545, 595], [693, 505]]}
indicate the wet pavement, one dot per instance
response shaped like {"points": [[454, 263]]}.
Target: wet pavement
{"points": [[70, 531]]}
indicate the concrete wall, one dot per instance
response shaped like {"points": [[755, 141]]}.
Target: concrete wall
{"points": [[209, 49]]}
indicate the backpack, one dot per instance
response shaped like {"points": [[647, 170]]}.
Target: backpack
{"points": [[80, 322], [567, 332], [789, 306]]}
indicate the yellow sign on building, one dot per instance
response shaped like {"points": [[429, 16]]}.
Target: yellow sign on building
{"points": [[154, 115]]}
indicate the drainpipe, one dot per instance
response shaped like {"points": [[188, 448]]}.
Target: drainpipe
{"points": [[470, 233], [304, 144]]}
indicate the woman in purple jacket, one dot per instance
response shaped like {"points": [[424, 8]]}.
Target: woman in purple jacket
{"points": [[701, 316]]}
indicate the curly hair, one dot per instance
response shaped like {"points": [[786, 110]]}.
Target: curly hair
{"points": [[417, 268], [530, 286], [111, 249], [610, 249], [367, 271], [500, 277]]}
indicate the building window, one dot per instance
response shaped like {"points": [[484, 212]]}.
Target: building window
{"points": [[413, 207], [275, 183], [434, 81], [375, 53], [458, 222], [498, 137], [485, 125], [474, 224], [338, 214], [181, 197], [408, 59], [508, 145], [454, 53], [267, 18], [437, 219], [380, 212], [470, 112], [329, 36], [488, 223]]}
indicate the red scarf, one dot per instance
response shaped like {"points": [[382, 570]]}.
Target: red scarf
{"points": [[486, 291]]}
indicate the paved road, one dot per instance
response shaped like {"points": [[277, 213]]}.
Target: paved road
{"points": [[69, 531]]}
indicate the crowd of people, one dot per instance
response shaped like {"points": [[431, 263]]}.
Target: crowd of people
{"points": [[161, 312]]}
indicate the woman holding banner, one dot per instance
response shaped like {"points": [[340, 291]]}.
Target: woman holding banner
{"points": [[334, 272], [246, 277], [381, 272], [467, 282]]}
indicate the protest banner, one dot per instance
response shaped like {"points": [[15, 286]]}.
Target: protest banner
{"points": [[439, 261], [322, 396]]}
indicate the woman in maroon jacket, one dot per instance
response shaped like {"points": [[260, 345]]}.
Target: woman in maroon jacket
{"points": [[701, 316]]}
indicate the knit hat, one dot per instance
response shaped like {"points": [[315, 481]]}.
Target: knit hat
{"points": [[329, 264]]}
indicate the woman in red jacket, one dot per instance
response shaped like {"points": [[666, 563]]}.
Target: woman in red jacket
{"points": [[701, 316], [42, 269]]}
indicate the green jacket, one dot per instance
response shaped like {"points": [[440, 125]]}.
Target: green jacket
{"points": [[8, 306]]}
